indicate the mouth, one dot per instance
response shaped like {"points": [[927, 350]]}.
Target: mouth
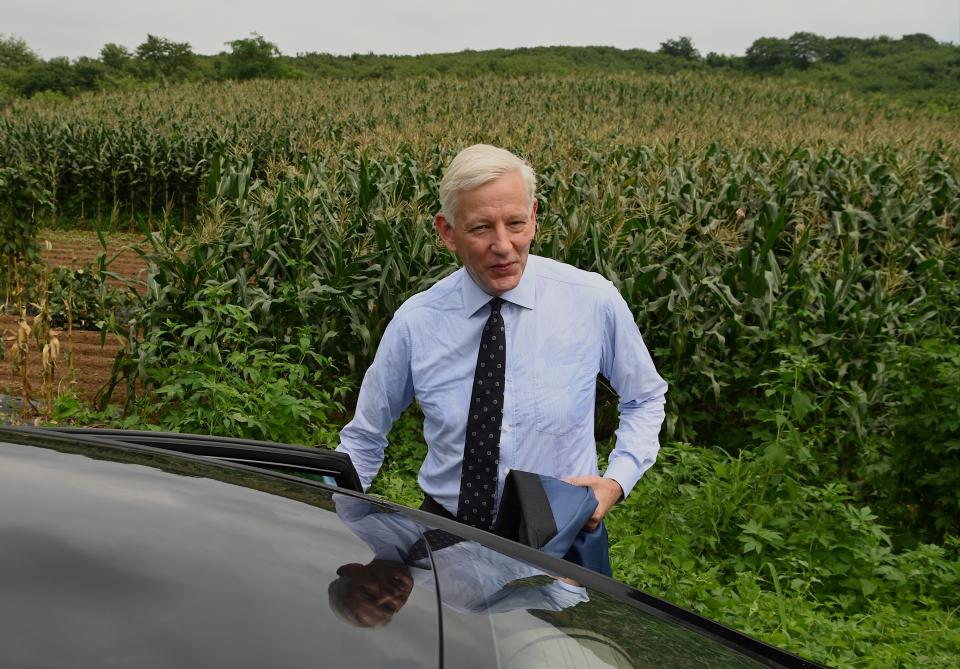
{"points": [[503, 268]]}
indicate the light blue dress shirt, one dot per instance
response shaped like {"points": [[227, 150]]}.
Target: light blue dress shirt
{"points": [[564, 326]]}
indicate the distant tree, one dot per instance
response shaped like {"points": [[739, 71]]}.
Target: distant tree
{"points": [[55, 75], [15, 53], [252, 57], [115, 56], [88, 73], [714, 59], [769, 53], [839, 49], [160, 58], [919, 39], [681, 47], [807, 49]]}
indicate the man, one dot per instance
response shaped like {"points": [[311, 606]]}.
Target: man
{"points": [[545, 329]]}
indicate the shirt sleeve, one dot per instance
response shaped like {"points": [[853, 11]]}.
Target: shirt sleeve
{"points": [[627, 364], [554, 597], [387, 390]]}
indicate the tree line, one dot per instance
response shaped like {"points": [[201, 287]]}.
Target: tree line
{"points": [[801, 50], [914, 62], [156, 60]]}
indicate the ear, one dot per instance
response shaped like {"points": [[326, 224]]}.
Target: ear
{"points": [[445, 230], [349, 570]]}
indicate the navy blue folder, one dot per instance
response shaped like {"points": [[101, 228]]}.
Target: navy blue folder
{"points": [[547, 513]]}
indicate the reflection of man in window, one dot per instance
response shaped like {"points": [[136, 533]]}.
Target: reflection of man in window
{"points": [[368, 595], [474, 579]]}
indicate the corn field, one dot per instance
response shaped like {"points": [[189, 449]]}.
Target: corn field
{"points": [[791, 255], [124, 158]]}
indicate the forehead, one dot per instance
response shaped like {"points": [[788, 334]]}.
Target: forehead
{"points": [[505, 195]]}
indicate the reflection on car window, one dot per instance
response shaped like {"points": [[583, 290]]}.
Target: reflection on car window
{"points": [[500, 611], [647, 640], [470, 578]]}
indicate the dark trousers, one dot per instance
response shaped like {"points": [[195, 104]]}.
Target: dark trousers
{"points": [[430, 505]]}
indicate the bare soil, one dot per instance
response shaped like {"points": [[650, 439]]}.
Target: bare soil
{"points": [[78, 248], [84, 365]]}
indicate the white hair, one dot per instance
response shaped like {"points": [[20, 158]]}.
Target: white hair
{"points": [[475, 166]]}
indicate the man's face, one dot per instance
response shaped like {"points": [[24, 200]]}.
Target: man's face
{"points": [[495, 224], [376, 591]]}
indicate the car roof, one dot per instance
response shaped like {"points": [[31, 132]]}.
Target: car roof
{"points": [[117, 554]]}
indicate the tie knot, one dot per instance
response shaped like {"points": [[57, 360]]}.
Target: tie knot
{"points": [[495, 305]]}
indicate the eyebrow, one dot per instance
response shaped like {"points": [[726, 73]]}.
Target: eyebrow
{"points": [[518, 215]]}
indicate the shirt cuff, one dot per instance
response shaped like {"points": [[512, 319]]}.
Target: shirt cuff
{"points": [[569, 587], [566, 595], [624, 473]]}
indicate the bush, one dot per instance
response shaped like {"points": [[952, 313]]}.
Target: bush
{"points": [[768, 547], [917, 463], [211, 378]]}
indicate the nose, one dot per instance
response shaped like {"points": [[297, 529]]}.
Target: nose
{"points": [[501, 240], [390, 600]]}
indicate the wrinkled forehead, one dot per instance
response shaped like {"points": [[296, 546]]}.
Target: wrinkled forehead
{"points": [[504, 196]]}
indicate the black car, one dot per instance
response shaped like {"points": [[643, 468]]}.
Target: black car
{"points": [[138, 549]]}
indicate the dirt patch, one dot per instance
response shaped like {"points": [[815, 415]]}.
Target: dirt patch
{"points": [[76, 249], [84, 364]]}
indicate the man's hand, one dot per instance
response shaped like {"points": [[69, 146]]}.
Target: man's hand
{"points": [[607, 491]]}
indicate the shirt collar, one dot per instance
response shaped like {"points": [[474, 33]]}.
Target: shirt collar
{"points": [[524, 295]]}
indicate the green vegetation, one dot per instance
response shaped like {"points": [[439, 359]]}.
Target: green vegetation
{"points": [[771, 547], [203, 384], [914, 69], [790, 254]]}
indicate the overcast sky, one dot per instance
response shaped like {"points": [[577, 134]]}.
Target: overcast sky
{"points": [[81, 27]]}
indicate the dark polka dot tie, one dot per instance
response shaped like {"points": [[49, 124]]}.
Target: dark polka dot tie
{"points": [[436, 539], [481, 449]]}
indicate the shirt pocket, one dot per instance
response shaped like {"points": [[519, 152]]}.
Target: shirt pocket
{"points": [[563, 397]]}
